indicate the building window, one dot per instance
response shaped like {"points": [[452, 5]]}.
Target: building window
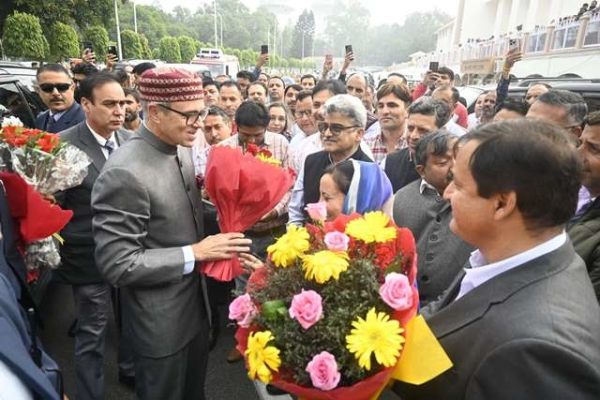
{"points": [[592, 33]]}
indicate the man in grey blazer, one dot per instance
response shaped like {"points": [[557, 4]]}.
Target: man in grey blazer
{"points": [[148, 231], [98, 136], [420, 207], [522, 321]]}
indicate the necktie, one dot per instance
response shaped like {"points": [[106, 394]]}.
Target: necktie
{"points": [[50, 124], [110, 146]]}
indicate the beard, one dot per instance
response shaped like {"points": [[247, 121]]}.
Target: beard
{"points": [[131, 116]]}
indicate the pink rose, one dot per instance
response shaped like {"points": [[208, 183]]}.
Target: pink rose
{"points": [[317, 211], [337, 241], [396, 292], [306, 308], [243, 310], [323, 371]]}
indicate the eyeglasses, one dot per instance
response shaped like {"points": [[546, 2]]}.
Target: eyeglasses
{"points": [[49, 87], [335, 129], [300, 114], [190, 117]]}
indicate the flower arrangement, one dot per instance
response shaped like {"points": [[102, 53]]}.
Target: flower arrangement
{"points": [[325, 318], [37, 164]]}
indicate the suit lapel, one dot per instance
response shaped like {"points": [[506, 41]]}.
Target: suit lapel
{"points": [[93, 149], [190, 187], [447, 315]]}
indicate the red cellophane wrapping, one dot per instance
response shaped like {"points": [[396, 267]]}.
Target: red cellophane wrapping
{"points": [[37, 218], [243, 189]]}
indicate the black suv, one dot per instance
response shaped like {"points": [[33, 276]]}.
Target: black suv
{"points": [[17, 100]]}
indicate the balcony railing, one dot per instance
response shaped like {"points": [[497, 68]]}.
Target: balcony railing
{"points": [[567, 35]]}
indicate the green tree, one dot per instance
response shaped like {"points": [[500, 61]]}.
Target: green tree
{"points": [[99, 38], [146, 50], [156, 53], [64, 41], [187, 47], [23, 37], [349, 27], [169, 50], [88, 13], [305, 28], [48, 11], [132, 45]]}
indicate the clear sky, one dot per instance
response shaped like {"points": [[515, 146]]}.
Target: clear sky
{"points": [[382, 11]]}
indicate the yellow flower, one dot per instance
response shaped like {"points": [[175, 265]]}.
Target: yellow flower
{"points": [[324, 265], [262, 359], [373, 227], [289, 247], [377, 334], [268, 160]]}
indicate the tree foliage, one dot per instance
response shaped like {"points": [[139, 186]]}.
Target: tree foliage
{"points": [[187, 47], [131, 44], [99, 38], [169, 50], [146, 50], [48, 11], [64, 41], [23, 37], [305, 27]]}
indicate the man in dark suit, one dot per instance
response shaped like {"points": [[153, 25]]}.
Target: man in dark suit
{"points": [[522, 321], [424, 115], [98, 136], [421, 208], [57, 91], [148, 230]]}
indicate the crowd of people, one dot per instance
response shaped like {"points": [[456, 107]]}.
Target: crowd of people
{"points": [[502, 204]]}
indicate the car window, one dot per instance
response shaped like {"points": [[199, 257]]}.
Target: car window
{"points": [[14, 104]]}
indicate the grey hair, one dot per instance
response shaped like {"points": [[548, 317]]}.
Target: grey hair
{"points": [[573, 103], [436, 143], [146, 104], [429, 106], [348, 106]]}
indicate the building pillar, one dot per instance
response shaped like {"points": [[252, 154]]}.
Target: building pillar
{"points": [[499, 18], [458, 23], [583, 23], [534, 6], [549, 38], [514, 14]]}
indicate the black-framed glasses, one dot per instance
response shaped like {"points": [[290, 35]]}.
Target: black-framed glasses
{"points": [[49, 87], [335, 129], [190, 117]]}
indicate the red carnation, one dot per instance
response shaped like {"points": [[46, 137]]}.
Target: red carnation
{"points": [[252, 149], [49, 142]]}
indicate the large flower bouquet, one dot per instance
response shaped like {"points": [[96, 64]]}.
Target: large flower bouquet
{"points": [[325, 318], [244, 184], [35, 165]]}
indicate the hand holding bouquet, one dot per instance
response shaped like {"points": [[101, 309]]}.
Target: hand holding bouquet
{"points": [[37, 163]]}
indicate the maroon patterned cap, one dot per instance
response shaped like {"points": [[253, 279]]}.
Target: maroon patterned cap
{"points": [[170, 84]]}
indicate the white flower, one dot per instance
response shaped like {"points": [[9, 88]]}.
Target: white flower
{"points": [[11, 121]]}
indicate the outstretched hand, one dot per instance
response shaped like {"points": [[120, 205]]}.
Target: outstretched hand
{"points": [[221, 246], [512, 57]]}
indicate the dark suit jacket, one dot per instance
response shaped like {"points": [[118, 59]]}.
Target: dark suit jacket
{"points": [[585, 235], [532, 332], [77, 252], [72, 117]]}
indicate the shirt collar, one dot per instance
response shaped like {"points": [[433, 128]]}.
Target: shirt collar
{"points": [[57, 115], [100, 139], [481, 271], [425, 184]]}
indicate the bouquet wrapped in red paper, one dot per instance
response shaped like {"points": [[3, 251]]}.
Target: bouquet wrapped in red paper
{"points": [[36, 164], [243, 187], [326, 317]]}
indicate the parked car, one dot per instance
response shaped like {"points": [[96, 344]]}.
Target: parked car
{"points": [[589, 89], [22, 70], [17, 100]]}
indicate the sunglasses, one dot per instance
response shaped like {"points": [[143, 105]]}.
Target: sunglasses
{"points": [[49, 87]]}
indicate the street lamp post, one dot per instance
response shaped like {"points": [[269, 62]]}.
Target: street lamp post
{"points": [[215, 15], [118, 30], [134, 17], [303, 45]]}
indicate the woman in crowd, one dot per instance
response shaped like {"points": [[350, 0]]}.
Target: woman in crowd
{"points": [[280, 120], [355, 187]]}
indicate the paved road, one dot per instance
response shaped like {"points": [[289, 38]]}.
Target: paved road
{"points": [[224, 381]]}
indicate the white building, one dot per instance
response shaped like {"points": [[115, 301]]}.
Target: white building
{"points": [[554, 42]]}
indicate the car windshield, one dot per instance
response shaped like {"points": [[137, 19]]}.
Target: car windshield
{"points": [[13, 104]]}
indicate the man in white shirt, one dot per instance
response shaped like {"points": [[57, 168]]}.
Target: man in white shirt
{"points": [[522, 321]]}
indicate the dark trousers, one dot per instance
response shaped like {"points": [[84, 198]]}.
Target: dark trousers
{"points": [[179, 376], [92, 306]]}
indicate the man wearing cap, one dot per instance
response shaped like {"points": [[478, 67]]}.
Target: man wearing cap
{"points": [[148, 226]]}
